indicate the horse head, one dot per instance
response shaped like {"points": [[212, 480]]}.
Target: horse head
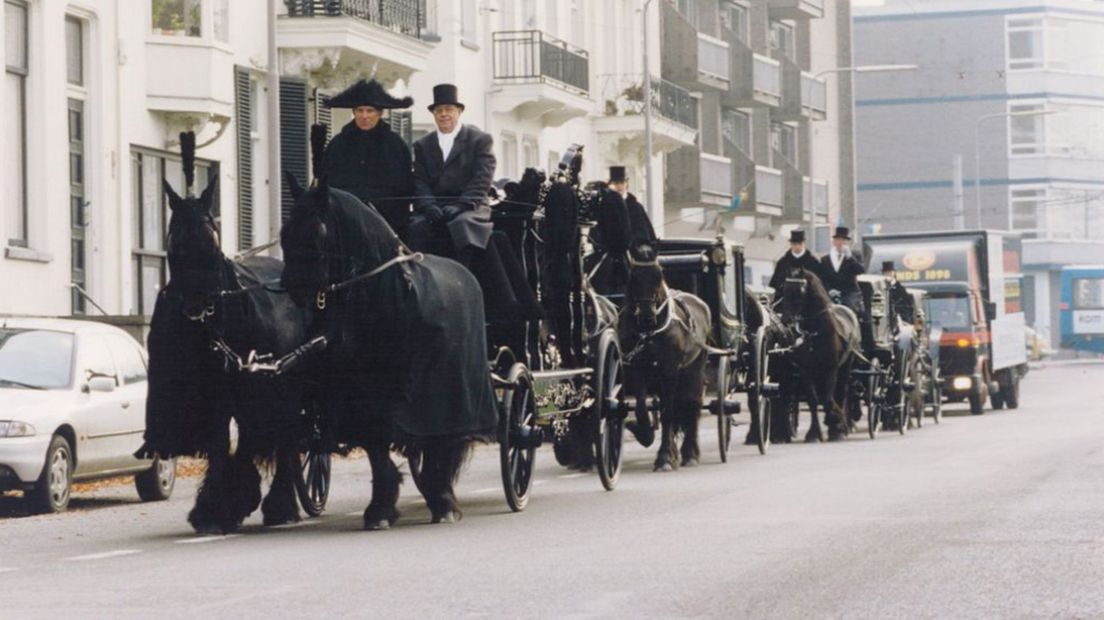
{"points": [[647, 291], [802, 295], [194, 253], [320, 247]]}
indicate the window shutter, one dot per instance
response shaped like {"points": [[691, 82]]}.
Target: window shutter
{"points": [[402, 123], [323, 114], [244, 107], [294, 138]]}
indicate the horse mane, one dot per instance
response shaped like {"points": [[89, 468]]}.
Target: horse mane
{"points": [[187, 154]]}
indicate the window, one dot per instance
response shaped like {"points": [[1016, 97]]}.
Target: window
{"points": [[739, 22], [553, 162], [132, 367], [1027, 134], [1088, 294], [530, 154], [36, 357], [689, 10], [1026, 209], [784, 142], [177, 17], [77, 205], [736, 129], [222, 20], [1025, 43], [96, 359], [509, 155], [15, 121], [468, 11], [782, 40], [74, 51], [151, 217]]}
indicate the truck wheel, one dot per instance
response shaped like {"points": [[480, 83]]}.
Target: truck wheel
{"points": [[977, 405], [1012, 394], [996, 397]]}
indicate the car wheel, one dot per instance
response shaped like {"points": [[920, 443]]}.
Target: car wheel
{"points": [[156, 483], [52, 490]]}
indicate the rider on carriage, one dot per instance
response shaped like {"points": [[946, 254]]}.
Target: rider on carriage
{"points": [[839, 272], [900, 300], [795, 259]]}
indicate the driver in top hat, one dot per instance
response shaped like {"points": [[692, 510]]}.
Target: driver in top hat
{"points": [[796, 258], [840, 271], [900, 301], [369, 160], [639, 223], [453, 172]]}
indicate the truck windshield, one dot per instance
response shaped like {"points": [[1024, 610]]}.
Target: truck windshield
{"points": [[35, 359], [951, 312]]}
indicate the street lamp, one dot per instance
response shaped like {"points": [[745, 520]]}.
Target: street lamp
{"points": [[977, 149], [648, 175], [812, 185]]}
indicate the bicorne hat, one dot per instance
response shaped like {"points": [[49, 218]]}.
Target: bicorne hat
{"points": [[445, 94], [888, 265], [368, 93], [797, 236], [842, 232], [617, 174]]}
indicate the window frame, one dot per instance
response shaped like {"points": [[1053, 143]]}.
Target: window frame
{"points": [[1039, 145], [22, 73]]}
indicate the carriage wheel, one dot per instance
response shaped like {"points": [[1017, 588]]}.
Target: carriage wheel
{"points": [[937, 397], [901, 406], [518, 421], [609, 410], [874, 398], [761, 408], [312, 485], [916, 396], [724, 421]]}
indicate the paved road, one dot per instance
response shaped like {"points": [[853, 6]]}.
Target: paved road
{"points": [[997, 516]]}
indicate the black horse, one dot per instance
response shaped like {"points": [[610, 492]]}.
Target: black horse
{"points": [[823, 340], [406, 367], [608, 267], [214, 303], [664, 332]]}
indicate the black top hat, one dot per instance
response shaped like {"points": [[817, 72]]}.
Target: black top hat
{"points": [[367, 93], [887, 265], [842, 232], [445, 94], [617, 174], [797, 236]]}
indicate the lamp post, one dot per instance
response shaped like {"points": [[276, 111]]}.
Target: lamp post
{"points": [[811, 215], [648, 175], [977, 149]]}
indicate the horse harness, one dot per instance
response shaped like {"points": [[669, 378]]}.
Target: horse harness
{"points": [[645, 338]]}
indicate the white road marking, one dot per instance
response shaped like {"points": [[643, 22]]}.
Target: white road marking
{"points": [[539, 482], [205, 539], [578, 475], [486, 490], [355, 513], [103, 556], [289, 526]]}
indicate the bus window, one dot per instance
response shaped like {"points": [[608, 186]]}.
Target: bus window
{"points": [[1088, 294]]}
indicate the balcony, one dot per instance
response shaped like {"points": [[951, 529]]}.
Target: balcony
{"points": [[814, 97], [328, 40], [199, 88], [756, 80], [696, 179], [621, 128], [541, 77], [796, 9], [769, 195], [691, 59]]}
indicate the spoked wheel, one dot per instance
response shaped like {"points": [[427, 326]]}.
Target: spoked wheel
{"points": [[874, 399], [937, 398], [313, 482], [609, 410], [517, 435], [724, 421], [900, 404], [916, 396], [761, 396]]}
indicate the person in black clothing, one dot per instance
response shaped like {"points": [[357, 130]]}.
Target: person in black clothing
{"points": [[840, 272], [369, 160], [640, 224], [900, 300], [796, 258]]}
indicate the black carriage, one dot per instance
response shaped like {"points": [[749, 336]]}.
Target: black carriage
{"points": [[929, 386], [713, 270], [558, 379]]}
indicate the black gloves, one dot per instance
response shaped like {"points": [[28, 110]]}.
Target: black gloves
{"points": [[451, 211], [433, 214]]}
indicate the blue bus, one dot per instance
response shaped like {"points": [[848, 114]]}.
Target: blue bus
{"points": [[1082, 308]]}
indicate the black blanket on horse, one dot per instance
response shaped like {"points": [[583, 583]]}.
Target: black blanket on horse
{"points": [[191, 397]]}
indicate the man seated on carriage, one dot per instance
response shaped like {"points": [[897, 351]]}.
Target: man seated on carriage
{"points": [[367, 159], [795, 259], [900, 301], [840, 272], [453, 172], [640, 225]]}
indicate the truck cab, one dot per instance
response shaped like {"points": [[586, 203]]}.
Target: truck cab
{"points": [[959, 311]]}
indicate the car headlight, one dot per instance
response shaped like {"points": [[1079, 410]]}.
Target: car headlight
{"points": [[962, 383], [15, 428]]}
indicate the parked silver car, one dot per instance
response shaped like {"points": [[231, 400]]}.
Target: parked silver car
{"points": [[72, 408]]}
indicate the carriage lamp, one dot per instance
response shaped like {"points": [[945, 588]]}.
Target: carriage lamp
{"points": [[717, 256], [15, 428], [962, 383]]}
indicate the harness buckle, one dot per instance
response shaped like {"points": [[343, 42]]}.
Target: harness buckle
{"points": [[210, 310], [320, 300]]}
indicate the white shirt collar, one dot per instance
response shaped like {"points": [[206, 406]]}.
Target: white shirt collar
{"points": [[837, 258], [798, 255], [446, 140]]}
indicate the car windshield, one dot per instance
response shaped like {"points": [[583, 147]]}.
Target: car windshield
{"points": [[35, 359], [950, 312]]}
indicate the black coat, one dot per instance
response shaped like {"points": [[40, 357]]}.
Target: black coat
{"points": [[788, 263], [845, 279], [641, 224], [464, 180], [375, 166]]}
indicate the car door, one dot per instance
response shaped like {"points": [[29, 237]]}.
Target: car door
{"points": [[99, 416], [132, 400]]}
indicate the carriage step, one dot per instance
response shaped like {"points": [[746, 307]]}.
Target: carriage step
{"points": [[525, 438], [732, 407]]}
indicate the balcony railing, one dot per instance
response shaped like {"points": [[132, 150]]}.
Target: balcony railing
{"points": [[713, 57], [402, 16], [796, 9], [716, 176], [767, 76], [768, 185], [814, 95], [624, 96], [675, 103], [531, 56]]}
